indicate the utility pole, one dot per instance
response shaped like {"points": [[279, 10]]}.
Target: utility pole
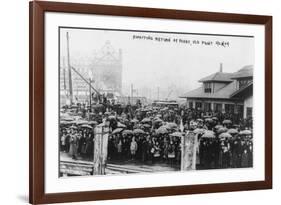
{"points": [[90, 91], [63, 68], [132, 92], [69, 71], [158, 92]]}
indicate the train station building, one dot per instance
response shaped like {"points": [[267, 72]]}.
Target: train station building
{"points": [[224, 92]]}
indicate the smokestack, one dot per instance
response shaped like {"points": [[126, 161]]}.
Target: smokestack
{"points": [[221, 68]]}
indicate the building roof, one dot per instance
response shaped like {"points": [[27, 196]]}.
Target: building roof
{"points": [[217, 77], [223, 93], [226, 92], [245, 91], [245, 72]]}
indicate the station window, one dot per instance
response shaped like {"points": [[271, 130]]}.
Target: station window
{"points": [[207, 87]]}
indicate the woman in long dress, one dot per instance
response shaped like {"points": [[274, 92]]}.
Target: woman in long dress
{"points": [[73, 146]]}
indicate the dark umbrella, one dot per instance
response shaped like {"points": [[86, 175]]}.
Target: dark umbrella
{"points": [[92, 123], [138, 131], [146, 125], [66, 123], [112, 117], [198, 130], [120, 125], [245, 132], [87, 126], [218, 126], [73, 127], [214, 118], [227, 122], [127, 132], [171, 125], [232, 131], [134, 120], [221, 130], [146, 120], [117, 130], [176, 134], [162, 130], [82, 122], [208, 120], [68, 118], [208, 134], [157, 120], [225, 135]]}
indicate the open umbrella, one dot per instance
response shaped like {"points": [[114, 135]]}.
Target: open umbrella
{"points": [[146, 120], [222, 130], [111, 117], [127, 132], [245, 132], [82, 122], [227, 122], [92, 123], [218, 126], [157, 120], [87, 126], [198, 131], [208, 120], [134, 120], [208, 134], [117, 130], [66, 122], [214, 118], [176, 134], [232, 131], [162, 130], [199, 120], [138, 131], [225, 135], [120, 125], [146, 125], [171, 125], [67, 118], [73, 127]]}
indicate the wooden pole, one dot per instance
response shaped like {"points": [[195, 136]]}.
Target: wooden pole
{"points": [[69, 71], [188, 155]]}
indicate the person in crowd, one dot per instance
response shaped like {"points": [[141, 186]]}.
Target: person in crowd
{"points": [[83, 144], [171, 153], [119, 149], [165, 149], [73, 145], [156, 153], [245, 158], [111, 148], [133, 148], [144, 150], [63, 141], [151, 146], [89, 146]]}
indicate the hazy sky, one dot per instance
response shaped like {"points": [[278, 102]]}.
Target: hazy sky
{"points": [[149, 64]]}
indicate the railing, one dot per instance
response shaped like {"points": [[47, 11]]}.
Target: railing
{"points": [[79, 168]]}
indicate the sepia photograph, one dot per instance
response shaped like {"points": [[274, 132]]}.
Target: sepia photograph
{"points": [[135, 101]]}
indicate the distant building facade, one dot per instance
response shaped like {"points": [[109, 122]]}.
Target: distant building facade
{"points": [[104, 70], [224, 92]]}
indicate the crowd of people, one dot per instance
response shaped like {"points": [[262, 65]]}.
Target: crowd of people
{"points": [[152, 134]]}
